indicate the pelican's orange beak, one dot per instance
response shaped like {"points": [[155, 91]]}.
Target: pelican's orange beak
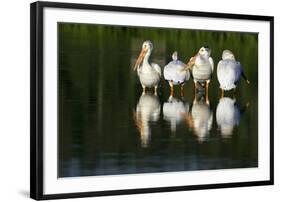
{"points": [[190, 63], [140, 58]]}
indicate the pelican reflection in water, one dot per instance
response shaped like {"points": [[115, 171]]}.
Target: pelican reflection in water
{"points": [[200, 118], [174, 111], [147, 110], [228, 115]]}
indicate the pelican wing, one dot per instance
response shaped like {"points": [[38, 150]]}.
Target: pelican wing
{"points": [[220, 70], [157, 68], [178, 63], [238, 71], [228, 72], [212, 63], [168, 71], [175, 71]]}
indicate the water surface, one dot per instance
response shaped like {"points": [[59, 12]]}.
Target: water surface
{"points": [[100, 131]]}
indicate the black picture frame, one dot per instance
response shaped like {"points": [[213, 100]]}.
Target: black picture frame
{"points": [[37, 99]]}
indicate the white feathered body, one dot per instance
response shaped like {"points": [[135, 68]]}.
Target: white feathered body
{"points": [[203, 68], [174, 71], [149, 74], [229, 72]]}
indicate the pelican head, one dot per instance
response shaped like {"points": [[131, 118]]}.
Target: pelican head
{"points": [[227, 55], [146, 51], [175, 55], [204, 51]]}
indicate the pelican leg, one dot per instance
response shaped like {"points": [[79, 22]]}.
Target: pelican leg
{"points": [[195, 90], [143, 89], [171, 88], [222, 93], [155, 90], [234, 93], [207, 91], [182, 90]]}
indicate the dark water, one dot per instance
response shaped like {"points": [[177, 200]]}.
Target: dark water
{"points": [[100, 132]]}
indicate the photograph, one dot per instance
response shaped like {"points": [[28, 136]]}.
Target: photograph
{"points": [[130, 100], [135, 99]]}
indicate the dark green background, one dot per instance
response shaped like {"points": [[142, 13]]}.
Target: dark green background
{"points": [[98, 91]]}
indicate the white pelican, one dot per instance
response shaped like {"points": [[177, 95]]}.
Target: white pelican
{"points": [[174, 111], [202, 67], [227, 116], [175, 73], [149, 74], [229, 71], [200, 119], [148, 110]]}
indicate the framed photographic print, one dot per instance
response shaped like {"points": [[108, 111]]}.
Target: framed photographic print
{"points": [[134, 100]]}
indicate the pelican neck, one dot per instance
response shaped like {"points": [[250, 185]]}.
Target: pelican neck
{"points": [[146, 57], [206, 57]]}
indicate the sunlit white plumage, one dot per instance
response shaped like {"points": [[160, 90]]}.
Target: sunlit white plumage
{"points": [[175, 72], [174, 111], [227, 116], [229, 71], [149, 73], [202, 67], [147, 110]]}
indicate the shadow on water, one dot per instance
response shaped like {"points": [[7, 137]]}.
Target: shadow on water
{"points": [[107, 126]]}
